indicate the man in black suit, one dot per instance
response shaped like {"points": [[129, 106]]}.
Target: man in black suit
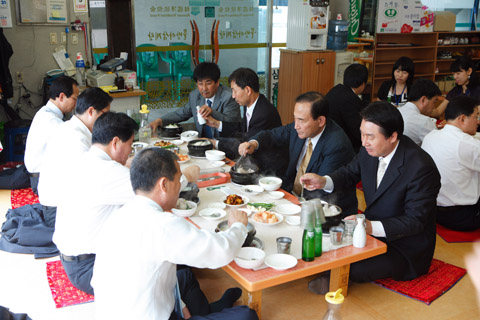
{"points": [[258, 114], [401, 210], [345, 104], [316, 144]]}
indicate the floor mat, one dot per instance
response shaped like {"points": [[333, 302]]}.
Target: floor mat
{"points": [[457, 236], [439, 279], [63, 292], [21, 197]]}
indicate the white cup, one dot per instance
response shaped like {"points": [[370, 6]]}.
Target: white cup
{"points": [[201, 120]]}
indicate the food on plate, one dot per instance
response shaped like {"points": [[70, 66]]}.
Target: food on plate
{"points": [[234, 200], [163, 144], [172, 126], [182, 204], [182, 157], [202, 143], [259, 206], [265, 217]]}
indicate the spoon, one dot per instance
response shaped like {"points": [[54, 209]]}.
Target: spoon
{"points": [[247, 259], [301, 198], [212, 215]]}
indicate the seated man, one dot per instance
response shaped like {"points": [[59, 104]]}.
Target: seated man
{"points": [[457, 155], [422, 97], [157, 241], [316, 144], [345, 104], [69, 141], [259, 114], [214, 100], [63, 98], [401, 183]]}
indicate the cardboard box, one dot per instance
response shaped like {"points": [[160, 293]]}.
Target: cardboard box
{"points": [[444, 21], [129, 76], [404, 16]]}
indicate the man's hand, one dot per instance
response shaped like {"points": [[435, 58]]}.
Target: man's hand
{"points": [[368, 229], [312, 181], [247, 148], [237, 216], [191, 173], [186, 313], [205, 111], [212, 122], [154, 125], [213, 142]]}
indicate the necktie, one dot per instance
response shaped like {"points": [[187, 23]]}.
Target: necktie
{"points": [[382, 165], [248, 120], [297, 187], [207, 130]]}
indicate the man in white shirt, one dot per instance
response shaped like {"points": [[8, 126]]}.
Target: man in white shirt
{"points": [[63, 98], [400, 183], [69, 141], [456, 153], [99, 185], [422, 97], [155, 241]]}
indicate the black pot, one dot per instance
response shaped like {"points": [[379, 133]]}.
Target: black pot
{"points": [[331, 220], [172, 132], [198, 151], [222, 226], [245, 178]]}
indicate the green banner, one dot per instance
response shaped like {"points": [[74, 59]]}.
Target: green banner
{"points": [[354, 13]]}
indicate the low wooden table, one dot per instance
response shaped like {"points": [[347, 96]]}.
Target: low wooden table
{"points": [[337, 261]]}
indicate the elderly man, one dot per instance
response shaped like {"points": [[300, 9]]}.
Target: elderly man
{"points": [[316, 144], [345, 103], [259, 114], [213, 99], [63, 98], [69, 141], [457, 155], [422, 97], [157, 241], [401, 183]]}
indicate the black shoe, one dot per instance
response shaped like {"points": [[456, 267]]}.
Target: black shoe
{"points": [[227, 300]]}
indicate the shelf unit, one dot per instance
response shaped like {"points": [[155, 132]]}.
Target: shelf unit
{"points": [[423, 49]]}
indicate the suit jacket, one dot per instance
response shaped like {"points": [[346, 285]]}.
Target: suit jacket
{"points": [[405, 203], [224, 108], [265, 116], [345, 107], [332, 151]]}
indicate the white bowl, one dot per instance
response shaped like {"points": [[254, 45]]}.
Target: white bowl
{"points": [[207, 213], [245, 201], [178, 142], [185, 213], [218, 205], [293, 220], [189, 135], [252, 189], [214, 155], [281, 261], [217, 164], [288, 209], [275, 195], [270, 183], [250, 258]]}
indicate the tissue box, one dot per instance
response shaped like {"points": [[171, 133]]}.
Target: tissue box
{"points": [[444, 21]]}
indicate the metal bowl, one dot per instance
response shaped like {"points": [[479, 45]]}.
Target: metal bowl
{"points": [[222, 226]]}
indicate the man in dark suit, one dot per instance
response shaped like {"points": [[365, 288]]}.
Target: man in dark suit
{"points": [[212, 99], [258, 114], [316, 144], [345, 104], [401, 184]]}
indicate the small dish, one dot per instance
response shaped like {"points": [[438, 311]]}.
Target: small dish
{"points": [[189, 135], [252, 189], [245, 201], [178, 142], [270, 183], [214, 155], [185, 157], [183, 213], [279, 219], [293, 220], [280, 261], [216, 164], [275, 195], [288, 209], [212, 213], [227, 191], [218, 205], [249, 258]]}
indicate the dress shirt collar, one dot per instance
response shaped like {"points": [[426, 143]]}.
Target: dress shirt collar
{"points": [[79, 124], [251, 107], [389, 157], [454, 129], [99, 153], [211, 99], [412, 106], [315, 139], [145, 201], [52, 107]]}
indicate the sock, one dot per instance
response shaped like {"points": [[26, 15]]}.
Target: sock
{"points": [[227, 300]]}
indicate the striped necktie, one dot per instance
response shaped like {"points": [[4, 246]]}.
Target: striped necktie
{"points": [[297, 186], [206, 129]]}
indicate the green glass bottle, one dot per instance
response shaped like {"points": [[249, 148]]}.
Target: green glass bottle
{"points": [[318, 240], [308, 245]]}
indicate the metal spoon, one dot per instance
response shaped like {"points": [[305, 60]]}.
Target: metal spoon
{"points": [[301, 198], [247, 259], [212, 215]]}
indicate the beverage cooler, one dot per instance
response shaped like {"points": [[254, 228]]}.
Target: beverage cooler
{"points": [[307, 25], [363, 17]]}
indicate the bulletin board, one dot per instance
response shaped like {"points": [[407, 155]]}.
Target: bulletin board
{"points": [[41, 12]]}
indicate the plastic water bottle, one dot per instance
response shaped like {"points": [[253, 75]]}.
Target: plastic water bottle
{"points": [[337, 35], [335, 300], [145, 132], [80, 74]]}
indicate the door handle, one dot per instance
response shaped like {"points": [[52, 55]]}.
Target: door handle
{"points": [[322, 61]]}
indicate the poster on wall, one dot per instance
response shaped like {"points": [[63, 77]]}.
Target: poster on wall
{"points": [[5, 14], [172, 22], [56, 11], [79, 6]]}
